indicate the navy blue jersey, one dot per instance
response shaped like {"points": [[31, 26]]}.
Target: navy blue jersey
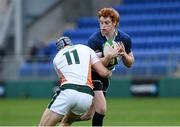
{"points": [[96, 42]]}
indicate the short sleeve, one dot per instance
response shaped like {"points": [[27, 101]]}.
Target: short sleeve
{"points": [[94, 57], [128, 45]]}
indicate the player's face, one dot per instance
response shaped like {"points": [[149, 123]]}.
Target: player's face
{"points": [[106, 25]]}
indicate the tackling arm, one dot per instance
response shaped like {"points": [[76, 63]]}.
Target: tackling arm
{"points": [[112, 53], [101, 69]]}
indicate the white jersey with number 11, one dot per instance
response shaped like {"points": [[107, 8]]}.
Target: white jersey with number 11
{"points": [[73, 64]]}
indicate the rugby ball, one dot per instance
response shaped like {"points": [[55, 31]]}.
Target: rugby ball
{"points": [[110, 43]]}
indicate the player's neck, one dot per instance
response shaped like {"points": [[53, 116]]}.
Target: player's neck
{"points": [[111, 35]]}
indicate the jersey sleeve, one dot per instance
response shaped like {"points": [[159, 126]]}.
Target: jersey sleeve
{"points": [[127, 44], [94, 57], [55, 67], [91, 43], [95, 43]]}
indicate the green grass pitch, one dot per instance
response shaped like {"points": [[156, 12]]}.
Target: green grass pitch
{"points": [[121, 112]]}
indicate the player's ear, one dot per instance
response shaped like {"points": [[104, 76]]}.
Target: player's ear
{"points": [[114, 24]]}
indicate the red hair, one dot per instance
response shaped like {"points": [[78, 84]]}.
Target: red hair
{"points": [[110, 12]]}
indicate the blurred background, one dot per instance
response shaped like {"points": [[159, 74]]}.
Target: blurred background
{"points": [[29, 29]]}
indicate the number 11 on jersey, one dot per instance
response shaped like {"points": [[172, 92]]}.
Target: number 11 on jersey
{"points": [[69, 59]]}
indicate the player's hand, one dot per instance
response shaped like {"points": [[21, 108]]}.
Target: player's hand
{"points": [[122, 50], [112, 53]]}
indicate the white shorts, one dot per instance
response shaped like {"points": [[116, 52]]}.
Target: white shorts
{"points": [[72, 100]]}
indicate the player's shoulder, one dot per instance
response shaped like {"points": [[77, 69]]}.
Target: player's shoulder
{"points": [[95, 36], [81, 46], [56, 57], [96, 40], [123, 34]]}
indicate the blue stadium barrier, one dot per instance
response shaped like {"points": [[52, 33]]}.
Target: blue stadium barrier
{"points": [[79, 33], [80, 41], [156, 43], [154, 19], [148, 1], [87, 22], [133, 31], [134, 20], [36, 69], [151, 8], [145, 69]]}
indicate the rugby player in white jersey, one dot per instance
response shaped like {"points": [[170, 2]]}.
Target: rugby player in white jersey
{"points": [[73, 65]]}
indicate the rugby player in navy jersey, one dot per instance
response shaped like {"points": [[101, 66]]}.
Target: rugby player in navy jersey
{"points": [[108, 22]]}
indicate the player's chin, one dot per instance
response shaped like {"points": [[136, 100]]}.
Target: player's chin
{"points": [[104, 31]]}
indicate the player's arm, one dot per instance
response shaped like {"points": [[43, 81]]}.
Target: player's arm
{"points": [[127, 58], [112, 53], [55, 67], [106, 60], [101, 69], [98, 65]]}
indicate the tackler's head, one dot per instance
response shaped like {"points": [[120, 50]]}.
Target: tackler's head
{"points": [[62, 42]]}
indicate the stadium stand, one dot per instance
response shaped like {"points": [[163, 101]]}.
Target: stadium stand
{"points": [[154, 26]]}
